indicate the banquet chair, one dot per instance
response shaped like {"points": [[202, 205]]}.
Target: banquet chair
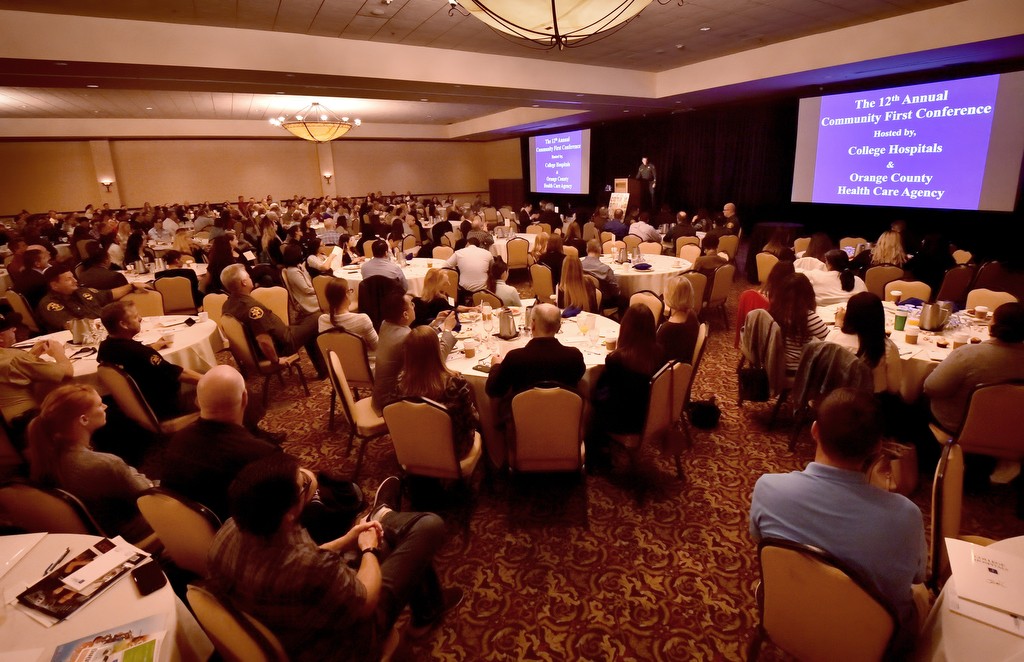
{"points": [[689, 252], [816, 608], [851, 242], [762, 346], [237, 636], [990, 298], [177, 294], [490, 215], [546, 227], [534, 229], [547, 420], [372, 293], [368, 248], [962, 256], [589, 231], [824, 367], [657, 420], [729, 244], [276, 300], [409, 243], [450, 286], [449, 238], [320, 288], [132, 402], [800, 244], [543, 287], [571, 251], [632, 242], [213, 305], [148, 303], [421, 431], [947, 509], [956, 283], [992, 275], [20, 305], [650, 247], [699, 283], [243, 348], [721, 284], [518, 251], [184, 527], [612, 246], [911, 289], [687, 241], [876, 278], [363, 421], [49, 510], [352, 354], [483, 296], [765, 263], [606, 237], [442, 252], [82, 246], [652, 301]]}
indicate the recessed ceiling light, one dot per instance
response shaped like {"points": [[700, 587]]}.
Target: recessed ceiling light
{"points": [[278, 92], [705, 29], [424, 99], [536, 105], [378, 12], [61, 64], [151, 107], [93, 86], [626, 110], [580, 95], [289, 75]]}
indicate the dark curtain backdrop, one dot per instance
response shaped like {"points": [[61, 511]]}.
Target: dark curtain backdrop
{"points": [[744, 154]]}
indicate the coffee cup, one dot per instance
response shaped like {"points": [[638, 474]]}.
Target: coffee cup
{"points": [[900, 321], [895, 295], [470, 348], [430, 265], [168, 338], [981, 312], [204, 316], [610, 342], [911, 334], [960, 339]]}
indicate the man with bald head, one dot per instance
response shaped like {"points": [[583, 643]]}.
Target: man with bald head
{"points": [[543, 359], [202, 459]]}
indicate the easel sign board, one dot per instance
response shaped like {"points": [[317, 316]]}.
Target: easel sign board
{"points": [[618, 201]]}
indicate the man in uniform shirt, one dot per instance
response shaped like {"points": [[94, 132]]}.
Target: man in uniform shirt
{"points": [[66, 301], [273, 335], [647, 173], [23, 372]]}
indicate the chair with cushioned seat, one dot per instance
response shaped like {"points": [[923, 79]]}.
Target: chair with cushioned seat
{"points": [[876, 278], [237, 636], [243, 348], [185, 528], [548, 435], [133, 404], [911, 289], [177, 295], [353, 354], [49, 510], [363, 421]]}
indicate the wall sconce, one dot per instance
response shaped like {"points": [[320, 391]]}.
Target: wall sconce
{"points": [[327, 177], [107, 183]]}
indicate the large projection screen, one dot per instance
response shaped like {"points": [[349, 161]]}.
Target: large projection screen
{"points": [[560, 163], [954, 144]]}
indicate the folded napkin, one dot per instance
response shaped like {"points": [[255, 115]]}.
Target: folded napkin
{"points": [[571, 311], [409, 256], [643, 266]]}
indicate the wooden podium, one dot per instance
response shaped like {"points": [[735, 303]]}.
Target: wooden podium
{"points": [[636, 188]]}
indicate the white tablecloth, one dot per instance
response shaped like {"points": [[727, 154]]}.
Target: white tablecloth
{"points": [[193, 347], [132, 277], [949, 636], [655, 279], [593, 356], [23, 638], [415, 270], [500, 247]]}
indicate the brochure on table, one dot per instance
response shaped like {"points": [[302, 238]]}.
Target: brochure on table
{"points": [[989, 584], [138, 641]]}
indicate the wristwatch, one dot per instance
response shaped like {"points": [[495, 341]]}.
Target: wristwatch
{"points": [[371, 550]]}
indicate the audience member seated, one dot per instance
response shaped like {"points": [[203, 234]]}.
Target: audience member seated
{"points": [[496, 277], [831, 505], [677, 336], [330, 235], [25, 375], [616, 225], [480, 233], [381, 265], [813, 258], [177, 269], [863, 333], [552, 258], [60, 455], [399, 314], [643, 229], [709, 261], [299, 282], [66, 301], [887, 250], [339, 300], [729, 222], [95, 271], [779, 246], [159, 380], [754, 299], [575, 291], [426, 376], [793, 310], [474, 264], [317, 605], [931, 261], [838, 283], [542, 359], [30, 282], [273, 335], [681, 228], [432, 301]]}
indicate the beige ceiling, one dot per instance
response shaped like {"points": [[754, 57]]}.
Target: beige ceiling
{"points": [[408, 69]]}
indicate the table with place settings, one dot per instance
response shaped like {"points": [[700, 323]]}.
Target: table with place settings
{"points": [[500, 246], [415, 271], [632, 280]]}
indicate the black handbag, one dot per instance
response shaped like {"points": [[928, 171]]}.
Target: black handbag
{"points": [[704, 414], [753, 384]]}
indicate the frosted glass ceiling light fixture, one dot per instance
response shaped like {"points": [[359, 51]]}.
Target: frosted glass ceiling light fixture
{"points": [[316, 123]]}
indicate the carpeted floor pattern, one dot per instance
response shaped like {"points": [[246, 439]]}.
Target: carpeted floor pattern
{"points": [[603, 567]]}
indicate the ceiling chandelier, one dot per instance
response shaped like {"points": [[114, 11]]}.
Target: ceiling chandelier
{"points": [[316, 123], [547, 24]]}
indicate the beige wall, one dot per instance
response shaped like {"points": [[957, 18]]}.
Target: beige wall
{"points": [[61, 175]]}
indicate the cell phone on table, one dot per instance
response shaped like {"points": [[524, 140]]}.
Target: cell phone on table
{"points": [[148, 578], [482, 367]]}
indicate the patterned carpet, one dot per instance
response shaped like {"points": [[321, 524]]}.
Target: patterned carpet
{"points": [[600, 567]]}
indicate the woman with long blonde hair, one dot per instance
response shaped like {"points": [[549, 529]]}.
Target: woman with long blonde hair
{"points": [[677, 336], [889, 250], [425, 375], [540, 244], [60, 455], [574, 290]]}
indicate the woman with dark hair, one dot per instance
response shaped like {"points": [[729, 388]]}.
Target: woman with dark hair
{"points": [[813, 258], [620, 397], [339, 299], [496, 283], [298, 281], [425, 375], [863, 332], [779, 247], [931, 262], [396, 236], [60, 455], [793, 309], [135, 248], [221, 256], [837, 284], [552, 257]]}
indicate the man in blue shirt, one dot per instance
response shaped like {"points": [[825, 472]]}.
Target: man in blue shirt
{"points": [[616, 226], [380, 265], [831, 505]]}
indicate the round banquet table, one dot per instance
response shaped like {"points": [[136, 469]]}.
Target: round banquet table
{"points": [[24, 638], [569, 335], [632, 280], [415, 270], [149, 277], [194, 347], [500, 246], [917, 361], [948, 636]]}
